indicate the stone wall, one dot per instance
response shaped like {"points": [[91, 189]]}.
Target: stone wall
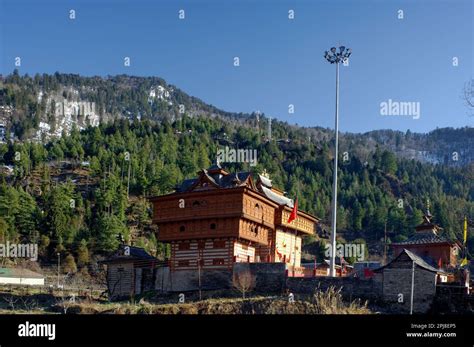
{"points": [[397, 289], [453, 299], [269, 277], [188, 280], [351, 287]]}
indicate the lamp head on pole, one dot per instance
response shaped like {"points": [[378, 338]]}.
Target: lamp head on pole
{"points": [[335, 57]]}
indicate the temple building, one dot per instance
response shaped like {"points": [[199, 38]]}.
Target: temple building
{"points": [[221, 218], [427, 243]]}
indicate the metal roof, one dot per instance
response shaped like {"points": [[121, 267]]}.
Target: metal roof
{"points": [[265, 181], [279, 199]]}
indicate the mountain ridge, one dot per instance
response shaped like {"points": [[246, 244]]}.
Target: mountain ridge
{"points": [[44, 106]]}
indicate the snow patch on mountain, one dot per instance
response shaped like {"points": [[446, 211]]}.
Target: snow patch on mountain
{"points": [[160, 93], [67, 113]]}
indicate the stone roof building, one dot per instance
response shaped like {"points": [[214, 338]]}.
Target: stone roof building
{"points": [[397, 278]]}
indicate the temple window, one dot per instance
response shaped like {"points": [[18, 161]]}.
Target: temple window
{"points": [[183, 246], [219, 244], [218, 261]]}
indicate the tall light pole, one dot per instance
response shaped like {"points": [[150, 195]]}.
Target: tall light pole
{"points": [[59, 262], [337, 58]]}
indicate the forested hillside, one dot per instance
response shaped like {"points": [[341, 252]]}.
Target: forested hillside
{"points": [[72, 207], [76, 193], [45, 106]]}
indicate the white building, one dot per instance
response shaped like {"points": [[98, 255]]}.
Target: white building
{"points": [[20, 277]]}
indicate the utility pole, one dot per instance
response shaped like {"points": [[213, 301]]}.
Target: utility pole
{"points": [[412, 286], [335, 58], [294, 254], [59, 262], [385, 244], [257, 118], [128, 179], [269, 135]]}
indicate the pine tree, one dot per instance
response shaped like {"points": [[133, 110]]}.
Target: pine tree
{"points": [[83, 254], [69, 264]]}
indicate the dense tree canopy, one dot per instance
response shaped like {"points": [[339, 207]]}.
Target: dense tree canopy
{"points": [[80, 193]]}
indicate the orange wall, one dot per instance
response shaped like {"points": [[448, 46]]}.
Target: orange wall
{"points": [[444, 252]]}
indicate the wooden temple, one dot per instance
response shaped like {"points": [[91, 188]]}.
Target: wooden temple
{"points": [[427, 243], [220, 218]]}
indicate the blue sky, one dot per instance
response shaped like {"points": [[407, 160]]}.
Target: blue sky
{"points": [[281, 60]]}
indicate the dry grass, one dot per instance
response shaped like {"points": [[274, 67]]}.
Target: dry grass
{"points": [[330, 302], [322, 302]]}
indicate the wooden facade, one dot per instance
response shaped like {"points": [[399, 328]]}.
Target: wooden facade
{"points": [[219, 218], [130, 272]]}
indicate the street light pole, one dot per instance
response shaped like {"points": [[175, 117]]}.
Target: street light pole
{"points": [[335, 58], [59, 260], [412, 286], [332, 271]]}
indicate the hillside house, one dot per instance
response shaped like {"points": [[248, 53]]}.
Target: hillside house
{"points": [[130, 272], [18, 276]]}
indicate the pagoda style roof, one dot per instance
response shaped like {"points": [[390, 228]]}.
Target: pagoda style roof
{"points": [[275, 197], [185, 185], [420, 261], [423, 238], [267, 182], [216, 166], [426, 233], [427, 224], [215, 177]]}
